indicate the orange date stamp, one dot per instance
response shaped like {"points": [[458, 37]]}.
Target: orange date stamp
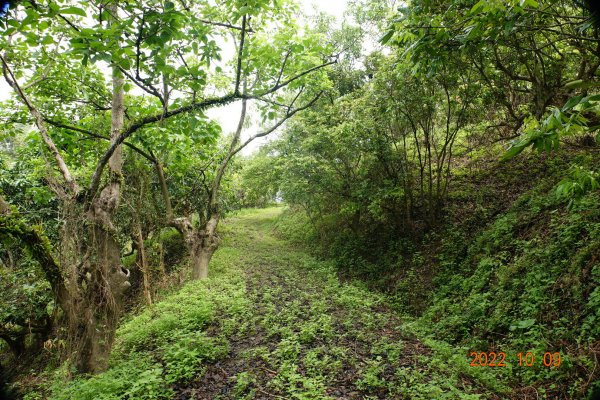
{"points": [[528, 359]]}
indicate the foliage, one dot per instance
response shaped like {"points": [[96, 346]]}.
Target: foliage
{"points": [[138, 378], [567, 121], [167, 344], [523, 282], [103, 161], [256, 182], [309, 338], [400, 175], [579, 184]]}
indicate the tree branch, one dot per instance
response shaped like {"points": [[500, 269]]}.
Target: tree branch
{"points": [[39, 121], [205, 21], [133, 147], [12, 224], [238, 72], [164, 191], [214, 193], [195, 106], [283, 66], [230, 26], [287, 116], [135, 126], [287, 82], [148, 89]]}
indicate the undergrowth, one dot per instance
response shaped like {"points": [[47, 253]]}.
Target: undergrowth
{"points": [[512, 268], [530, 282], [272, 320], [167, 343]]}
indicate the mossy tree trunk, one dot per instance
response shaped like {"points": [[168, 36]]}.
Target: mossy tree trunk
{"points": [[108, 279]]}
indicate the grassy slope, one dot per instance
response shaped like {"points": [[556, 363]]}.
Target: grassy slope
{"points": [[528, 282], [273, 322]]}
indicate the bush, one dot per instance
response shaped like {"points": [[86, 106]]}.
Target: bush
{"points": [[137, 378]]}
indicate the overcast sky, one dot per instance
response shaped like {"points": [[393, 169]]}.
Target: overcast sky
{"points": [[228, 116]]}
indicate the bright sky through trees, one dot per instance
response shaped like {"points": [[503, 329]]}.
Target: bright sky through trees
{"points": [[227, 116]]}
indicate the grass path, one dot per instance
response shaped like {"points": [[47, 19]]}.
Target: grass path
{"points": [[272, 322], [307, 335]]}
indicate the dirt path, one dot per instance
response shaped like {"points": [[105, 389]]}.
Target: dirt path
{"points": [[305, 335]]}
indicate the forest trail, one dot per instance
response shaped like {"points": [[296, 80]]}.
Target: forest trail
{"points": [[303, 334]]}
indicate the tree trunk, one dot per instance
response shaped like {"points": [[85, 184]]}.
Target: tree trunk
{"points": [[138, 238], [108, 280], [201, 245], [200, 260], [142, 261], [161, 259], [97, 282]]}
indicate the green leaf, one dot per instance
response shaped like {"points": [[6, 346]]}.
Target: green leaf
{"points": [[529, 3], [514, 151], [595, 97], [479, 6], [388, 35], [523, 324], [574, 84], [73, 11], [573, 101]]}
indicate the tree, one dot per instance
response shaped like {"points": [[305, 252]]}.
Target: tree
{"points": [[168, 51], [523, 52]]}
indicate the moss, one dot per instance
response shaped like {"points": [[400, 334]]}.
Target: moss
{"points": [[129, 261], [35, 241]]}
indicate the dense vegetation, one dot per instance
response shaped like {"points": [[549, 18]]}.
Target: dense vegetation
{"points": [[439, 194]]}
